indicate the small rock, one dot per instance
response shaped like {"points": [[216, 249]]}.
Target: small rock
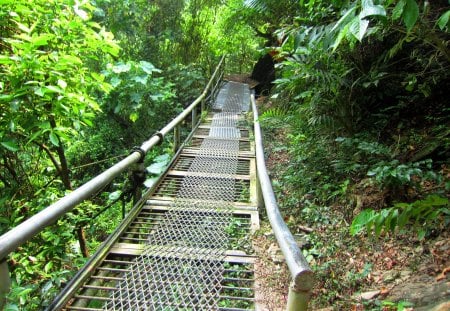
{"points": [[273, 249], [405, 274], [419, 249], [390, 276], [370, 295], [268, 233], [278, 258]]}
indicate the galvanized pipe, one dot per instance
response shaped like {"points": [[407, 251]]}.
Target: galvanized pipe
{"points": [[32, 226], [302, 275]]}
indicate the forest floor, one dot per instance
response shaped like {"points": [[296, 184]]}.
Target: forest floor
{"points": [[392, 272]]}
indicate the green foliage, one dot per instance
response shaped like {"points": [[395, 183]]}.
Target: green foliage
{"points": [[159, 165], [422, 215], [43, 73], [136, 92], [392, 174], [398, 306]]}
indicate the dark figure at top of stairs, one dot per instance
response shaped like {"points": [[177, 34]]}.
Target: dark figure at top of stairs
{"points": [[264, 73]]}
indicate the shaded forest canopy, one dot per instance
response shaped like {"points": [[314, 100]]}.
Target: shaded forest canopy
{"points": [[359, 103]]}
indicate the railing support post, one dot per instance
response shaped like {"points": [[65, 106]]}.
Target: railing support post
{"points": [[176, 138], [259, 194], [194, 118], [5, 283], [297, 300], [202, 106]]}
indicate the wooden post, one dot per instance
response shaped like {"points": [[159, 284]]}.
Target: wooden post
{"points": [[202, 107], [82, 240], [297, 300], [176, 138], [194, 118], [5, 283]]}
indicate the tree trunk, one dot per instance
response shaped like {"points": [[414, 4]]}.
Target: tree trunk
{"points": [[65, 178]]}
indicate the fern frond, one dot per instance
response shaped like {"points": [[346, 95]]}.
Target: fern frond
{"points": [[276, 112]]}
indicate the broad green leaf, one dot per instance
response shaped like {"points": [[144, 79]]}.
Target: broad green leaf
{"points": [[48, 267], [358, 27], [361, 221], [410, 14], [341, 36], [115, 81], [114, 195], [370, 9], [69, 59], [11, 306], [54, 139], [421, 234], [398, 10], [23, 27], [35, 135], [147, 67], [136, 97], [163, 158], [149, 182], [81, 13], [443, 20], [134, 116], [156, 168], [98, 77], [141, 79], [121, 67], [39, 91], [62, 84], [53, 89], [42, 39], [344, 19], [4, 59], [10, 145]]}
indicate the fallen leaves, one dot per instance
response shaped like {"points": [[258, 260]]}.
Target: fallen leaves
{"points": [[442, 276]]}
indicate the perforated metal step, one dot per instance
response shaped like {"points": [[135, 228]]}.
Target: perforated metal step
{"points": [[188, 248]]}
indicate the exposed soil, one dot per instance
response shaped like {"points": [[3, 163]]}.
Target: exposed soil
{"points": [[354, 272], [271, 276]]}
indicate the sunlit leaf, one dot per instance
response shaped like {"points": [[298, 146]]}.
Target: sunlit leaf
{"points": [[134, 116], [54, 139], [62, 84], [114, 195], [398, 10], [410, 14], [10, 145], [370, 9], [115, 81], [121, 67], [141, 79], [147, 67], [42, 39], [443, 20], [149, 182]]}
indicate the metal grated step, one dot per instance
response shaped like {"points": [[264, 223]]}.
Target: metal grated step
{"points": [[189, 247]]}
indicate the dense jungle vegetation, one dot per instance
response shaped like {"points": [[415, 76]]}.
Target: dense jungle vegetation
{"points": [[359, 115]]}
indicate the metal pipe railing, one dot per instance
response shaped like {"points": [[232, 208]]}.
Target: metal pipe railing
{"points": [[20, 234], [302, 275]]}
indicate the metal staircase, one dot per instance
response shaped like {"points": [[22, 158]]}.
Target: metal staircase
{"points": [[188, 247], [185, 245]]}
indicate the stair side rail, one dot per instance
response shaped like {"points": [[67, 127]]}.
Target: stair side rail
{"points": [[26, 230], [302, 276]]}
